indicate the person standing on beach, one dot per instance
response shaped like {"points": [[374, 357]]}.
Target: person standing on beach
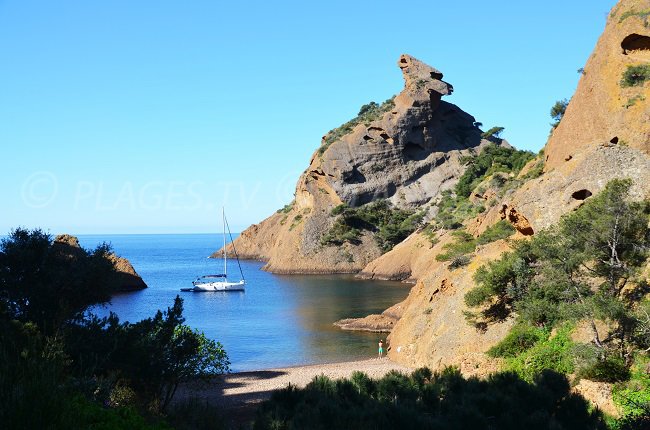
{"points": [[381, 348]]}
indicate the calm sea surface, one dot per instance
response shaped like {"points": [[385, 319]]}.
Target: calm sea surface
{"points": [[278, 321]]}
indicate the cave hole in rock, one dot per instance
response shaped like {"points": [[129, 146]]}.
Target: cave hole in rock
{"points": [[614, 140], [414, 151], [635, 42], [581, 194], [354, 177]]}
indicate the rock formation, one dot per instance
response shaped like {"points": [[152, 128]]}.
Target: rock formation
{"points": [[604, 111], [405, 151], [128, 278], [581, 157]]}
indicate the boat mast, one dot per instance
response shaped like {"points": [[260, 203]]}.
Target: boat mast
{"points": [[225, 257]]}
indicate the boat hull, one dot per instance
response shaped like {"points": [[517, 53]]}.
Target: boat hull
{"points": [[219, 286]]}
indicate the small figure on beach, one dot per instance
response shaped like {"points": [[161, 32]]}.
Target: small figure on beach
{"points": [[381, 348]]}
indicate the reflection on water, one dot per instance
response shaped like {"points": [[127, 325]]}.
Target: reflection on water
{"points": [[278, 321]]}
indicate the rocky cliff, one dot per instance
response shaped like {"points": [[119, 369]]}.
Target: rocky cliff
{"points": [[406, 151], [601, 137], [128, 278], [610, 104]]}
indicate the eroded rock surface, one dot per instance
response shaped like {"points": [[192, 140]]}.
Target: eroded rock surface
{"points": [[602, 110], [408, 156]]}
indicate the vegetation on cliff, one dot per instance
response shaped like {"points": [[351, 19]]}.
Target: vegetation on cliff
{"points": [[490, 160], [389, 225], [443, 400], [76, 369], [464, 243], [583, 270], [367, 114]]}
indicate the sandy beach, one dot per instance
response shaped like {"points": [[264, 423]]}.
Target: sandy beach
{"points": [[239, 393]]}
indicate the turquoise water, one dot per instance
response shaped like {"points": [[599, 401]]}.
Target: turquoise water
{"points": [[278, 321]]}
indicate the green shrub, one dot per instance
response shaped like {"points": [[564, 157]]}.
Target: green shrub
{"points": [[554, 354], [389, 225], [609, 369], [501, 230], [635, 75], [442, 400], [196, 414], [338, 210], [286, 208], [633, 397], [430, 232], [454, 210], [464, 243], [459, 261], [521, 338], [492, 159]]}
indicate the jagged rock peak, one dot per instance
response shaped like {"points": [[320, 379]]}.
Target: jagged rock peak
{"points": [[422, 78]]}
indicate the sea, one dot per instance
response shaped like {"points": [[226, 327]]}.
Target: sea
{"points": [[279, 321]]}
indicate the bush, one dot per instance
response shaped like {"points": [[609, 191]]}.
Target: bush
{"points": [[501, 230], [553, 354], [464, 243], [286, 208], [460, 261], [442, 400], [635, 75], [453, 210], [492, 159], [609, 369], [633, 397], [521, 338], [390, 225]]}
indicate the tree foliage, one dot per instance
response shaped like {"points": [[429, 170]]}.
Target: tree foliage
{"points": [[49, 282], [443, 400], [582, 269], [154, 355], [557, 111], [65, 363]]}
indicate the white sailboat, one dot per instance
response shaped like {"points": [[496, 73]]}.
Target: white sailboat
{"points": [[219, 282]]}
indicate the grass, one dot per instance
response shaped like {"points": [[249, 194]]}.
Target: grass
{"points": [[633, 100], [641, 14]]}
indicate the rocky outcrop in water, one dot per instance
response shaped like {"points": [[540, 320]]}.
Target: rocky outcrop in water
{"points": [[128, 278]]}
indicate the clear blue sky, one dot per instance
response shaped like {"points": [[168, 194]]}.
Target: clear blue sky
{"points": [[147, 116]]}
